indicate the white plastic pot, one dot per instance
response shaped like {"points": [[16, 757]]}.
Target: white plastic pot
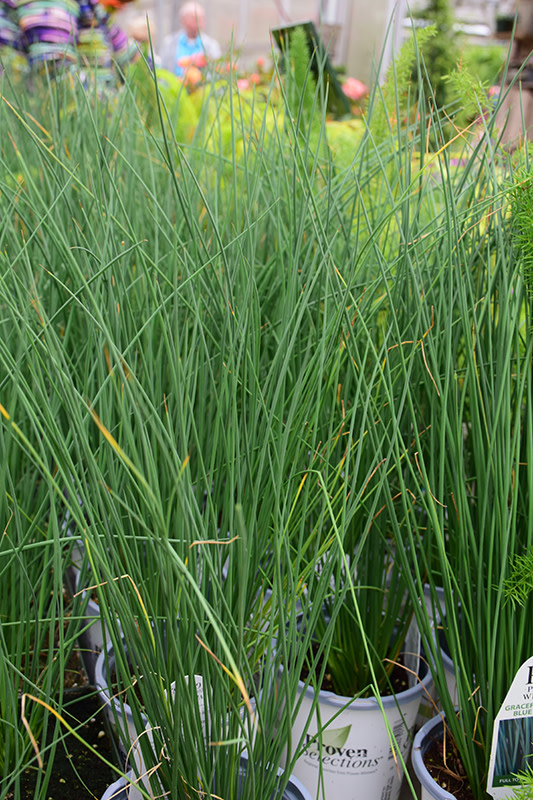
{"points": [[123, 790], [354, 752], [75, 563], [430, 732], [93, 638], [430, 704], [118, 712], [436, 614], [77, 552]]}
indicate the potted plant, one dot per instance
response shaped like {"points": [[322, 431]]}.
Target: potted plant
{"points": [[124, 788], [471, 404], [246, 405], [363, 676], [188, 688], [38, 672], [359, 736]]}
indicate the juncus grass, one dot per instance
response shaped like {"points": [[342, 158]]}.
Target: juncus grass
{"points": [[235, 379], [465, 506]]}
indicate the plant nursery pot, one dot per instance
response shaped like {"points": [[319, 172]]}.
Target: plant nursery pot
{"points": [[435, 613], [76, 559], [92, 640], [138, 764], [355, 752], [119, 714], [77, 549], [431, 703], [123, 790], [430, 732]]}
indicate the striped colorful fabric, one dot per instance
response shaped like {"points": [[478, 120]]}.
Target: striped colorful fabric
{"points": [[10, 33], [66, 32], [49, 29]]}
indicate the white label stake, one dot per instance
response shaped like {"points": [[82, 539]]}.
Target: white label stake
{"points": [[512, 739]]}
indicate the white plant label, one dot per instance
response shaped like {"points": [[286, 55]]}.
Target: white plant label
{"points": [[512, 738], [199, 682]]}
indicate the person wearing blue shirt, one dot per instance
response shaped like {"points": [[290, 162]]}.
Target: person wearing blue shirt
{"points": [[189, 45]]}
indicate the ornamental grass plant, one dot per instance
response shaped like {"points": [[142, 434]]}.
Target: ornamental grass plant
{"points": [[223, 358], [165, 414], [464, 494], [38, 624]]}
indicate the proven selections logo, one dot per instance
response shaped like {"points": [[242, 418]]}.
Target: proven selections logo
{"points": [[331, 751]]}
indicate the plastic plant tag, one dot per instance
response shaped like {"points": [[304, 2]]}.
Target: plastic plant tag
{"points": [[512, 739], [199, 682], [411, 654]]}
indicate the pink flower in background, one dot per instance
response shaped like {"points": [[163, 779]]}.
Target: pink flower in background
{"points": [[354, 90], [243, 84], [255, 78]]}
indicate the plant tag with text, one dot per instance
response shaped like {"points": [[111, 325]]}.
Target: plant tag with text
{"points": [[512, 739]]}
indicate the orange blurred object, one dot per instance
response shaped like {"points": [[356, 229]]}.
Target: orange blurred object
{"points": [[192, 76], [114, 5]]}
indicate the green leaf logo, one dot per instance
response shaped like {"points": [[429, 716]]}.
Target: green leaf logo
{"points": [[336, 737]]}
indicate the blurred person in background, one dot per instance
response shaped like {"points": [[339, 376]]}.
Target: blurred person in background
{"points": [[189, 46], [143, 31]]}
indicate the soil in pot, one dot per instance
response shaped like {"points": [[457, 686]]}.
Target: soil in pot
{"points": [[444, 764], [399, 676], [77, 772], [74, 676]]}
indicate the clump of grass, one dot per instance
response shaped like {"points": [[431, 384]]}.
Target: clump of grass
{"points": [[230, 370]]}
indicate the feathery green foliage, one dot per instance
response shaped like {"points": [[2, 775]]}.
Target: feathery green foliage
{"points": [[521, 210]]}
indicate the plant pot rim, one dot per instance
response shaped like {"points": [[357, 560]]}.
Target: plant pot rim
{"points": [[295, 790], [106, 655], [422, 741], [107, 698], [372, 703]]}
